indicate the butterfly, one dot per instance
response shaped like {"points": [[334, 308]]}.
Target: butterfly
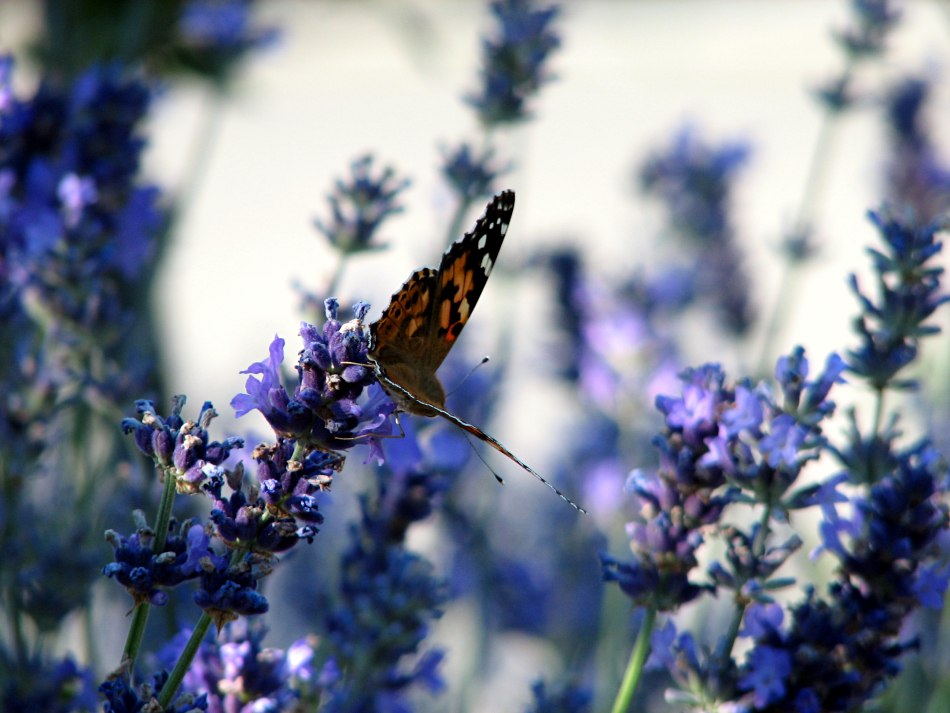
{"points": [[415, 333]]}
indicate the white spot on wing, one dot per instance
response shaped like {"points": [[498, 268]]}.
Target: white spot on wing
{"points": [[487, 265], [482, 241], [504, 228]]}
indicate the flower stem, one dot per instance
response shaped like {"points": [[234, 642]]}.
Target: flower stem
{"points": [[133, 641], [818, 169], [635, 665], [184, 661], [878, 411]]}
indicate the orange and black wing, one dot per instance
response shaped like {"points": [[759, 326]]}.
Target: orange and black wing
{"points": [[404, 325], [463, 272]]}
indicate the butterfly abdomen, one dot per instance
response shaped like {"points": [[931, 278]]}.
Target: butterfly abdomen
{"points": [[408, 386]]}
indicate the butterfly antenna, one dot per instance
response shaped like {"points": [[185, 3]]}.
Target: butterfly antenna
{"points": [[471, 371], [494, 443], [498, 446], [482, 436], [501, 481]]}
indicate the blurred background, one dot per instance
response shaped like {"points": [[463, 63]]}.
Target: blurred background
{"points": [[248, 165], [344, 78]]}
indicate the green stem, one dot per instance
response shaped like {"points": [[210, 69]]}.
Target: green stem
{"points": [[878, 411], [16, 624], [133, 642], [635, 665], [724, 649], [184, 661], [808, 210], [191, 648], [165, 512], [876, 432]]}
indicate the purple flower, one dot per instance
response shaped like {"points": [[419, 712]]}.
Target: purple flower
{"points": [[695, 182], [513, 61], [145, 573], [325, 410], [909, 290], [917, 176], [182, 447], [235, 672], [360, 206], [471, 175], [221, 26], [265, 394], [766, 673]]}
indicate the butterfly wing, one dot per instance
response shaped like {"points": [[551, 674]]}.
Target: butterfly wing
{"points": [[463, 272], [411, 339], [400, 342]]}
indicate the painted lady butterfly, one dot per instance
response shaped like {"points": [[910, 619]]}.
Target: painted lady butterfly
{"points": [[415, 333]]}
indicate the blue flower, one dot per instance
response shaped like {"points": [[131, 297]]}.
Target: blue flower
{"points": [[833, 654], [53, 686], [227, 592], [762, 621], [360, 206], [693, 414], [513, 62], [324, 411], [909, 292], [917, 176], [695, 182], [234, 671], [930, 585], [765, 674], [146, 573], [182, 449], [723, 446], [472, 176], [784, 443], [121, 697], [564, 698], [386, 599], [69, 197], [223, 26], [265, 393], [872, 20]]}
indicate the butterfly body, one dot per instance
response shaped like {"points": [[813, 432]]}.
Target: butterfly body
{"points": [[415, 333]]}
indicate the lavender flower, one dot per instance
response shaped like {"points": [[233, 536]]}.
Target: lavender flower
{"points": [[568, 698], [917, 176], [909, 292], [695, 180], [836, 653], [872, 21], [377, 623], [360, 205], [77, 231], [513, 63], [216, 27], [323, 412], [121, 697], [234, 672], [56, 686], [471, 175], [142, 570], [180, 448]]}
